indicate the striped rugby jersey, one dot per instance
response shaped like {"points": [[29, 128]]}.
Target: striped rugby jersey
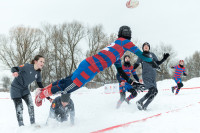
{"points": [[128, 71], [111, 54], [179, 71]]}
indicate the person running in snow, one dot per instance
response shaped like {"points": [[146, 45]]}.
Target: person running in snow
{"points": [[24, 76], [123, 85], [61, 107], [177, 76], [89, 67], [148, 76]]}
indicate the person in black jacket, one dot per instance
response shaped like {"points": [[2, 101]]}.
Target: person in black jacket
{"points": [[24, 76], [61, 107], [148, 76]]}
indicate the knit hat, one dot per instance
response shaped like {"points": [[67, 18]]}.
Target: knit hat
{"points": [[126, 56], [146, 43], [65, 97], [125, 32], [181, 61]]}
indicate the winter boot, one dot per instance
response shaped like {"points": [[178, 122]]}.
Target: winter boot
{"points": [[21, 123], [173, 88], [32, 120], [41, 94], [139, 105]]}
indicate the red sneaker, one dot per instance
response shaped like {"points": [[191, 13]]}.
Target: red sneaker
{"points": [[38, 100], [41, 93]]}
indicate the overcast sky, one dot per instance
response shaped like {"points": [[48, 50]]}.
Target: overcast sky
{"points": [[175, 22]]}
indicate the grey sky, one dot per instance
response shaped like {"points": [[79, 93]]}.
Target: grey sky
{"points": [[175, 22]]}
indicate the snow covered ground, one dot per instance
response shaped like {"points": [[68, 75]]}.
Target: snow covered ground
{"points": [[96, 110]]}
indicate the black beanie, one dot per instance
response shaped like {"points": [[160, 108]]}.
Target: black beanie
{"points": [[65, 97], [146, 43], [125, 32], [126, 56]]}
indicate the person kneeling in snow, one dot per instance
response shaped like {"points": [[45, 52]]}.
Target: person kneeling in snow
{"points": [[177, 76], [61, 107]]}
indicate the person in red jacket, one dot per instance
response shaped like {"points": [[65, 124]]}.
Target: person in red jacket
{"points": [[179, 69]]}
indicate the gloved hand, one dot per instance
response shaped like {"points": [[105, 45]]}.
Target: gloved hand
{"points": [[138, 86], [166, 55], [184, 74]]}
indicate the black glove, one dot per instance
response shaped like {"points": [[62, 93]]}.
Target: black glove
{"points": [[138, 86], [165, 56], [184, 74]]}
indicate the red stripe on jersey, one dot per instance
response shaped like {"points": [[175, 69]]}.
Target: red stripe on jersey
{"points": [[102, 61], [119, 49], [93, 66], [131, 68], [77, 82], [84, 75], [92, 69], [121, 39], [129, 45], [110, 55], [178, 73]]}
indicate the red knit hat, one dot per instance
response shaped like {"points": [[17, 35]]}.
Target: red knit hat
{"points": [[181, 61]]}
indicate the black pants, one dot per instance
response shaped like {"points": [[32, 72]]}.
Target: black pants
{"points": [[19, 109], [149, 96]]}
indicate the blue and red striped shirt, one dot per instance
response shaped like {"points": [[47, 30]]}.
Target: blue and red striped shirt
{"points": [[179, 71], [111, 54], [128, 70]]}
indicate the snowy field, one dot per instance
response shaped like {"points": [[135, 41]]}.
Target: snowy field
{"points": [[96, 110]]}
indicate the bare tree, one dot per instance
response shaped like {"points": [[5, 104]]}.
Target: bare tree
{"points": [[6, 83], [192, 65], [19, 47], [165, 71], [95, 38], [74, 32], [61, 49]]}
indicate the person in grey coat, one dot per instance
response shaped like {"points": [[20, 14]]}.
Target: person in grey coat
{"points": [[149, 76], [24, 76], [61, 107]]}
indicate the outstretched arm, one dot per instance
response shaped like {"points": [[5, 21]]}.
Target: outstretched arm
{"points": [[173, 67], [134, 49], [165, 56]]}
